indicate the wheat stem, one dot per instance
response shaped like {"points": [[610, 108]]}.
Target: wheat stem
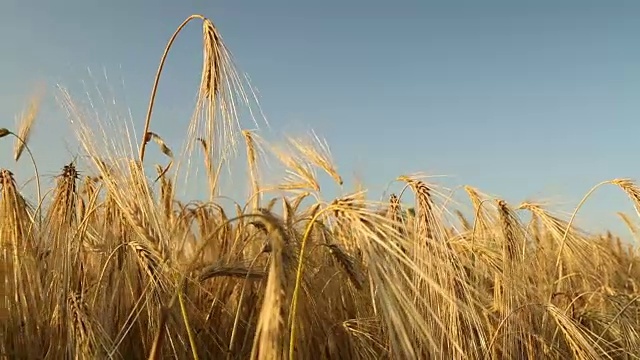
{"points": [[296, 289], [185, 317], [154, 89]]}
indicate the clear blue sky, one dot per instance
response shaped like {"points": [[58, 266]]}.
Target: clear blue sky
{"points": [[522, 99]]}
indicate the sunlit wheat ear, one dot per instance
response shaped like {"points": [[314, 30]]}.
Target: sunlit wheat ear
{"points": [[318, 153], [552, 224], [350, 207], [253, 171], [202, 216], [534, 228], [166, 192], [633, 228], [300, 174], [216, 118], [393, 210], [424, 207], [618, 248], [349, 264], [5, 132], [14, 214], [89, 186], [565, 246], [213, 52], [61, 219], [26, 124], [138, 183], [393, 214], [482, 217], [631, 189], [19, 281], [463, 220], [270, 337], [90, 190], [148, 257], [212, 173], [510, 231], [356, 220], [62, 212], [14, 227], [81, 326]]}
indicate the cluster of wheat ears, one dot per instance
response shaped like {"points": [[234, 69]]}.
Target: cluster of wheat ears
{"points": [[115, 266]]}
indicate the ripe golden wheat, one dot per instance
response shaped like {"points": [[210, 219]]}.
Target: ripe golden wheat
{"points": [[110, 263]]}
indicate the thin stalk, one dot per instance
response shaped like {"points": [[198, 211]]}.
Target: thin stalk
{"points": [[296, 290], [152, 100], [185, 317]]}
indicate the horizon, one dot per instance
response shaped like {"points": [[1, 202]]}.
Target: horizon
{"points": [[498, 82]]}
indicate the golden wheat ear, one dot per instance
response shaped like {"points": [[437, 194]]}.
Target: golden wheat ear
{"points": [[317, 152], [26, 124], [630, 224], [425, 218], [21, 145], [254, 197]]}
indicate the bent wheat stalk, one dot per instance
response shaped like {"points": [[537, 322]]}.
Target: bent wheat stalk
{"points": [[154, 89]]}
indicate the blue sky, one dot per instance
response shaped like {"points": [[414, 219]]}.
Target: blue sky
{"points": [[521, 99]]}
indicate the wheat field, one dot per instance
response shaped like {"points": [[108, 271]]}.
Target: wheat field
{"points": [[113, 264]]}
